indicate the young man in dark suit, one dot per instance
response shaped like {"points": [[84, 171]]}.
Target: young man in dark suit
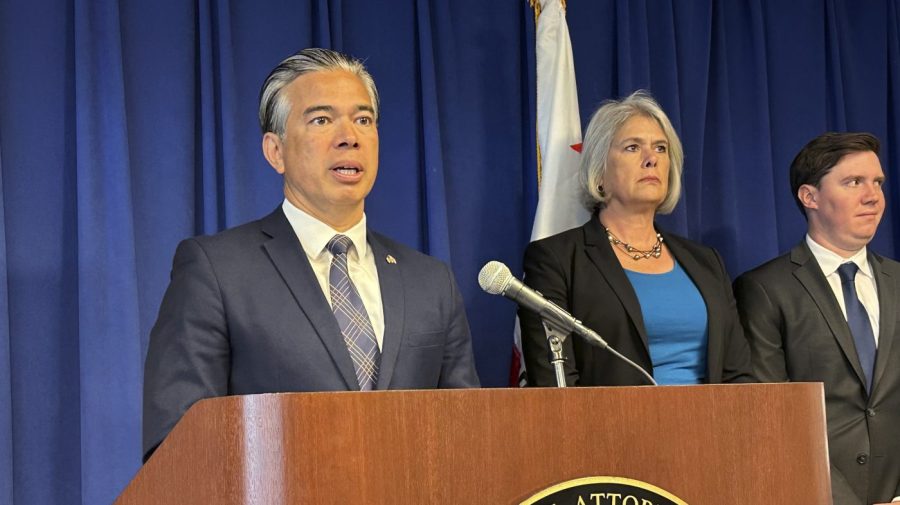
{"points": [[307, 298], [827, 312]]}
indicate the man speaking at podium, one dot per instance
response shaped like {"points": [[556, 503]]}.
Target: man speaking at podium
{"points": [[827, 312], [307, 298]]}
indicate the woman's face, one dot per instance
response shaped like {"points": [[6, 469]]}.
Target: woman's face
{"points": [[637, 170]]}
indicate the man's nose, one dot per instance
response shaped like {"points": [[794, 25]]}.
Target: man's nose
{"points": [[345, 136], [872, 194]]}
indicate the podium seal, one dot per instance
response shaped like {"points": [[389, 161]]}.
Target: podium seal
{"points": [[603, 491]]}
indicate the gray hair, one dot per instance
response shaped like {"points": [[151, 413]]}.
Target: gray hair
{"points": [[598, 138], [274, 107]]}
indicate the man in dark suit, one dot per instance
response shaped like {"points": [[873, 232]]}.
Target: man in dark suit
{"points": [[827, 312], [306, 298]]}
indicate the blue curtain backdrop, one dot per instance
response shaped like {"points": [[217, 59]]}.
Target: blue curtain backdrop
{"points": [[127, 126]]}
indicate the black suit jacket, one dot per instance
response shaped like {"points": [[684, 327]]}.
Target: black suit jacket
{"points": [[579, 271], [245, 314], [797, 332]]}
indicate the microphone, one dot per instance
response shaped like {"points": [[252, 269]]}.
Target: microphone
{"points": [[496, 279]]}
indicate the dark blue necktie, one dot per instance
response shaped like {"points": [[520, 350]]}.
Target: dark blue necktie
{"points": [[858, 320], [352, 317]]}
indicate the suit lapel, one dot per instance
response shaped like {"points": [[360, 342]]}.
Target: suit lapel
{"points": [[600, 252], [286, 253], [887, 299], [813, 280], [390, 280]]}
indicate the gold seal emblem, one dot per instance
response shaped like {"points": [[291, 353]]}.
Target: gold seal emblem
{"points": [[603, 491]]}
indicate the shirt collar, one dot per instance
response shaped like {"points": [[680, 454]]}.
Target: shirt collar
{"points": [[829, 261], [314, 234]]}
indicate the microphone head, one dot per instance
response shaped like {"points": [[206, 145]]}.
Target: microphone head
{"points": [[494, 277]]}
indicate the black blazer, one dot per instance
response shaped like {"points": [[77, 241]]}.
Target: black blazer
{"points": [[797, 332], [579, 271]]}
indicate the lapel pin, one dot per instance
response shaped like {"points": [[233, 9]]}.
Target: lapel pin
{"points": [[390, 259]]}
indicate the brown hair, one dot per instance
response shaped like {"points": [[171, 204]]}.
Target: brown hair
{"points": [[822, 153]]}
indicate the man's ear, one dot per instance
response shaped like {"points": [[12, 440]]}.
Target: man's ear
{"points": [[809, 196], [273, 150]]}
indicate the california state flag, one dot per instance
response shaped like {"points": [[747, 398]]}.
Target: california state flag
{"points": [[559, 139]]}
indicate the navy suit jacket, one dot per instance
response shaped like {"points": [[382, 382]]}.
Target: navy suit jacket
{"points": [[579, 271], [797, 332], [244, 314]]}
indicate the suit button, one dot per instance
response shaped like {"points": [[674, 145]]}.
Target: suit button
{"points": [[862, 459], [870, 412]]}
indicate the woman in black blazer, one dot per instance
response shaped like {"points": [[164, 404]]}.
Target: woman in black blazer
{"points": [[663, 301]]}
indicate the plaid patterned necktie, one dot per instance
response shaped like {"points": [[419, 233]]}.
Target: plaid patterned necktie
{"points": [[858, 320], [352, 317]]}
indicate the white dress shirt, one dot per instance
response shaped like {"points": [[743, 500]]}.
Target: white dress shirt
{"points": [[314, 236], [866, 290]]}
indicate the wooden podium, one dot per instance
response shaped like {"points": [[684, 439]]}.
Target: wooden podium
{"points": [[708, 445]]}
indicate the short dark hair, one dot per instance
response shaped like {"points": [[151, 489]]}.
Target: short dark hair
{"points": [[822, 153]]}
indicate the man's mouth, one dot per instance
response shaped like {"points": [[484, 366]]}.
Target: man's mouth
{"points": [[347, 170]]}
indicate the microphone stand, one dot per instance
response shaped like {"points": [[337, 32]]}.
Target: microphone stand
{"points": [[556, 339]]}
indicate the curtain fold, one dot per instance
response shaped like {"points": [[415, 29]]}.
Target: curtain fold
{"points": [[109, 389], [37, 121], [212, 42], [435, 231], [891, 152], [6, 424]]}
